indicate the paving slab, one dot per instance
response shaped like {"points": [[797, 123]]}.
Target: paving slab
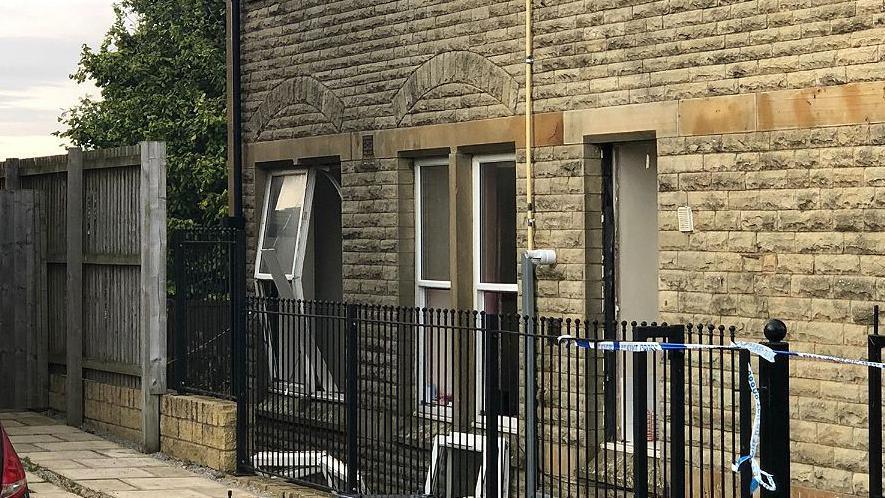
{"points": [[59, 455], [110, 485], [111, 473], [141, 462]]}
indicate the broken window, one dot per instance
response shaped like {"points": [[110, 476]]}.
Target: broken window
{"points": [[299, 250], [435, 345]]}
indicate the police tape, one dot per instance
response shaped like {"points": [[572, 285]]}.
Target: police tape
{"points": [[759, 476], [755, 348]]}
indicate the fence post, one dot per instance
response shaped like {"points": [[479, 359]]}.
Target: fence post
{"points": [[152, 194], [350, 396], [74, 264], [677, 416], [874, 347], [11, 173], [531, 413], [239, 342], [490, 351], [746, 415], [640, 425], [774, 386]]}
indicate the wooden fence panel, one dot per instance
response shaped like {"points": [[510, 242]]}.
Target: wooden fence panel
{"points": [[105, 241], [23, 325]]}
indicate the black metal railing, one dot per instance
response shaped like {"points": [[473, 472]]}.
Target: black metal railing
{"points": [[203, 289], [401, 401]]}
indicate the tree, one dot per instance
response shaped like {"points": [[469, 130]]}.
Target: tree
{"points": [[161, 72]]}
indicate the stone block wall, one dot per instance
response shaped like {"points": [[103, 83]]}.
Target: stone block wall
{"points": [[107, 408], [785, 188], [787, 225], [199, 429]]}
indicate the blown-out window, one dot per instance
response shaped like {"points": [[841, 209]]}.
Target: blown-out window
{"points": [[284, 216], [433, 290]]}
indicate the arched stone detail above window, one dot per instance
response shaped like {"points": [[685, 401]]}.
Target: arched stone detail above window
{"points": [[298, 90], [463, 67]]}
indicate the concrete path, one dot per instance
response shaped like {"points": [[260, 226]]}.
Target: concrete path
{"points": [[94, 467]]}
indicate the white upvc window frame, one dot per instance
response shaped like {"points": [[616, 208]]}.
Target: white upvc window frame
{"points": [[421, 287], [505, 423], [310, 360], [297, 266]]}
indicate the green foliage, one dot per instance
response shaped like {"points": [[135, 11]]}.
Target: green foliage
{"points": [[161, 72]]}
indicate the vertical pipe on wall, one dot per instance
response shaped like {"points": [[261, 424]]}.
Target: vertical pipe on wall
{"points": [[236, 111], [529, 130]]}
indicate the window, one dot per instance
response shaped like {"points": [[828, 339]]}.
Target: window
{"points": [[281, 228], [435, 345], [297, 252], [494, 270]]}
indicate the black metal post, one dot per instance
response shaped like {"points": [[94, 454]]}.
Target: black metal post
{"points": [[181, 286], [236, 110], [874, 347], [239, 341], [351, 365], [746, 422], [674, 334], [640, 425], [531, 434], [774, 386], [677, 416], [490, 351]]}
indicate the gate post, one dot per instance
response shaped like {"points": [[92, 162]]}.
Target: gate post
{"points": [[240, 350], [180, 318], [746, 422], [351, 415], [677, 416], [774, 386], [874, 347]]}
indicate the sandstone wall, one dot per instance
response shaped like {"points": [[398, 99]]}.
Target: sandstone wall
{"points": [[768, 119]]}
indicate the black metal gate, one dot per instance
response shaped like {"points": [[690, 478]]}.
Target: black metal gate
{"points": [[204, 289]]}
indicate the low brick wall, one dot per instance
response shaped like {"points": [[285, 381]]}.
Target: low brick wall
{"points": [[200, 430], [107, 408]]}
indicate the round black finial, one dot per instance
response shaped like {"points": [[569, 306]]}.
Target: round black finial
{"points": [[775, 330]]}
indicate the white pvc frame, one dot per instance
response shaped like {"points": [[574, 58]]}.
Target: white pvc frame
{"points": [[303, 227], [421, 286], [507, 424], [305, 344], [476, 443]]}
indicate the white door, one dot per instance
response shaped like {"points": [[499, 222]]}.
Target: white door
{"points": [[636, 208]]}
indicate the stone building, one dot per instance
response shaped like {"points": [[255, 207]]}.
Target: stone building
{"points": [[765, 119]]}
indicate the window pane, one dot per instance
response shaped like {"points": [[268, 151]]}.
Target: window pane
{"points": [[434, 191], [283, 208], [437, 341], [504, 305], [498, 223]]}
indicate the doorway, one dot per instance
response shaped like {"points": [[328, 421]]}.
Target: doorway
{"points": [[630, 261]]}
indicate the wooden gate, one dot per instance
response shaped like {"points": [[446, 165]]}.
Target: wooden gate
{"points": [[23, 325]]}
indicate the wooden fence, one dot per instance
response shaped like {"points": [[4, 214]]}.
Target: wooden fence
{"points": [[104, 225]]}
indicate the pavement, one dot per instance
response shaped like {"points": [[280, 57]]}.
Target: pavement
{"points": [[64, 461]]}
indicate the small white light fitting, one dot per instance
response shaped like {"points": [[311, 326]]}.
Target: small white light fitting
{"points": [[542, 256]]}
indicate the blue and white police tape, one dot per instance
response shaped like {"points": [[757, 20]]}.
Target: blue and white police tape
{"points": [[645, 347], [760, 477]]}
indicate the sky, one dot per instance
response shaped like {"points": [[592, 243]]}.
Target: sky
{"points": [[40, 42]]}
